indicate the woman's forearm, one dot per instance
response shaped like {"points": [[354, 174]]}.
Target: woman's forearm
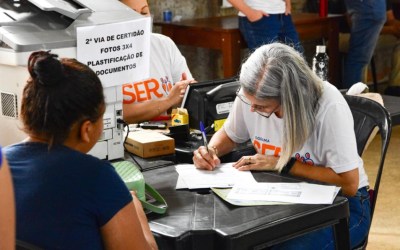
{"points": [[138, 112], [348, 181], [222, 142], [145, 225]]}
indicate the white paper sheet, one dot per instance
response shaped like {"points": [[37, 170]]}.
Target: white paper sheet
{"points": [[303, 193], [223, 193], [181, 184], [223, 176]]}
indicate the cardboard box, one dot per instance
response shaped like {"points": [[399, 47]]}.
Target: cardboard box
{"points": [[147, 144]]}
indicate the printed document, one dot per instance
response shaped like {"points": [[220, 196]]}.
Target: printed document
{"points": [[223, 193], [223, 176], [303, 193]]}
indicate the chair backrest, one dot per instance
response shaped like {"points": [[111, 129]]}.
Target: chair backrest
{"points": [[367, 115]]}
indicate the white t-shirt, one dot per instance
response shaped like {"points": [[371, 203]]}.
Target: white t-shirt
{"points": [[268, 6], [332, 143], [166, 67]]}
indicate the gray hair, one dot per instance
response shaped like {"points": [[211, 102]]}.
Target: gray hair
{"points": [[278, 71]]}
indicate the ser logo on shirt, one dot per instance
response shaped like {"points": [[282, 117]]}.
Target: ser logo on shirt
{"points": [[264, 148], [269, 149], [149, 89]]}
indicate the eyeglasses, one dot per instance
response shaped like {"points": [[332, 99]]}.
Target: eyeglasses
{"points": [[257, 108]]}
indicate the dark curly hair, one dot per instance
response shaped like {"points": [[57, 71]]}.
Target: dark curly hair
{"points": [[59, 94]]}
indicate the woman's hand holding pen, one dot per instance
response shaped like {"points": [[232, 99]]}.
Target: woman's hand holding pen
{"points": [[205, 158], [256, 162]]}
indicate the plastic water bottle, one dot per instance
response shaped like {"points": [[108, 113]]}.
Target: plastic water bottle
{"points": [[167, 15], [321, 63]]}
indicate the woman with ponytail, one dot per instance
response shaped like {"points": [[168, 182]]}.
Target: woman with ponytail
{"points": [[299, 125], [66, 199]]}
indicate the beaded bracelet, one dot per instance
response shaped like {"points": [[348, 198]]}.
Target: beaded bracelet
{"points": [[288, 166]]}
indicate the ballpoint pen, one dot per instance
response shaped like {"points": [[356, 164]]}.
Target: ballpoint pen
{"points": [[203, 133]]}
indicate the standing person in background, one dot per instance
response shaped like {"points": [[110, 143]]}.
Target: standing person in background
{"points": [[367, 19], [7, 208], [66, 199], [169, 77], [267, 21], [392, 30], [299, 125]]}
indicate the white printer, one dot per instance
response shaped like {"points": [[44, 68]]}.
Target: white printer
{"points": [[30, 25]]}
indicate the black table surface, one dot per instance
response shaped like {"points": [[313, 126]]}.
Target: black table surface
{"points": [[201, 220]]}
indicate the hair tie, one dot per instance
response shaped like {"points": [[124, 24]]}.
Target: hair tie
{"points": [[45, 68]]}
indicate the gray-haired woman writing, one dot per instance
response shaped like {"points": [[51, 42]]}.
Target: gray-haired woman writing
{"points": [[299, 125]]}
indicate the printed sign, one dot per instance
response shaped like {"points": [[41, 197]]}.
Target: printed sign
{"points": [[117, 52]]}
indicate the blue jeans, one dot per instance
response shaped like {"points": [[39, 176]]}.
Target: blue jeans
{"points": [[367, 19], [269, 29], [359, 223]]}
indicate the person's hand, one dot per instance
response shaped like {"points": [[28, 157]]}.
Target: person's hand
{"points": [[257, 162], [184, 78], [392, 25], [256, 15], [177, 91], [133, 193], [205, 159], [187, 81], [396, 28]]}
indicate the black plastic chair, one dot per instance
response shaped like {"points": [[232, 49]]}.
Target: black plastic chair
{"points": [[367, 115]]}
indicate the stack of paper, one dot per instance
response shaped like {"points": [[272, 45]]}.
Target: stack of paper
{"points": [[223, 176]]}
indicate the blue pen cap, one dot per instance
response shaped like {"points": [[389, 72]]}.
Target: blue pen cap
{"points": [[201, 127]]}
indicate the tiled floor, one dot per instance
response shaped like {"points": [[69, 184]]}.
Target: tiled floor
{"points": [[385, 230]]}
